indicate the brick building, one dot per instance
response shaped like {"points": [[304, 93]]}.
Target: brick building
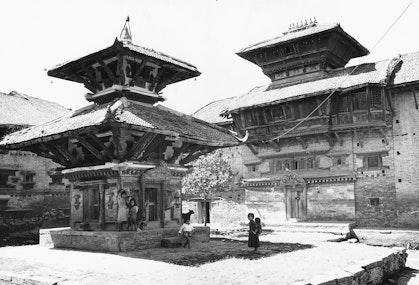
{"points": [[25, 176], [327, 142]]}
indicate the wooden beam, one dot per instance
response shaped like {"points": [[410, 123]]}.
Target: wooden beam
{"points": [[56, 156], [108, 71], [101, 145], [90, 148], [303, 142], [252, 148], [390, 104], [63, 156], [140, 145], [414, 97], [383, 133], [178, 151], [65, 153]]}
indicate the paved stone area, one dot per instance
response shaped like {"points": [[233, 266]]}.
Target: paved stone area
{"points": [[81, 267]]}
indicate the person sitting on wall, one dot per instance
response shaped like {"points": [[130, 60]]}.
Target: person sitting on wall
{"points": [[186, 231], [132, 215], [122, 217]]}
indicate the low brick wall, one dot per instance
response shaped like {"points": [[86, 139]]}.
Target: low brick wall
{"points": [[114, 241], [374, 272]]}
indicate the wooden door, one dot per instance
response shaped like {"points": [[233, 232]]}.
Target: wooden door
{"points": [[91, 205], [296, 203]]}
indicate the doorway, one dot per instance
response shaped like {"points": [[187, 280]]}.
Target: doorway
{"points": [[204, 213], [296, 203]]}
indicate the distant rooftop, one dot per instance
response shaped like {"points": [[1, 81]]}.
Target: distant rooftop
{"points": [[296, 32], [24, 110]]}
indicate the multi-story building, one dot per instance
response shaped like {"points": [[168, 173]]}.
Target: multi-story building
{"points": [[327, 142], [24, 176]]}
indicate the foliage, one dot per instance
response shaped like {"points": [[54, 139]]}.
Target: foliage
{"points": [[211, 173]]}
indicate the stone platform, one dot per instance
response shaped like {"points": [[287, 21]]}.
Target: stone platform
{"points": [[110, 241], [407, 238]]}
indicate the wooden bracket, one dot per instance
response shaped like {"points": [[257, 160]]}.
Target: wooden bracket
{"points": [[303, 142], [329, 140], [90, 148], [140, 145], [104, 148], [108, 71], [338, 138]]}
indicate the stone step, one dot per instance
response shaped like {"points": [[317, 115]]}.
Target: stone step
{"points": [[171, 242]]}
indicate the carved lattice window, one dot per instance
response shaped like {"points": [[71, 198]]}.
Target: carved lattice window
{"points": [[359, 101], [342, 104], [373, 161], [374, 98]]}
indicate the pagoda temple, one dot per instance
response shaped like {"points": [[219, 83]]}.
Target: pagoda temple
{"points": [[123, 146]]}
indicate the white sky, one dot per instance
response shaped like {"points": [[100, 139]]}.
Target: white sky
{"points": [[36, 35]]}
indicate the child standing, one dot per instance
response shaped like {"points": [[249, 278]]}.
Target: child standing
{"points": [[132, 215], [253, 237], [186, 231], [258, 229]]}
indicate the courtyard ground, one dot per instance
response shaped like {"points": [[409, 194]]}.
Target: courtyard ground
{"points": [[284, 258]]}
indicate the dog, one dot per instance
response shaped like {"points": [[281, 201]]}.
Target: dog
{"points": [[187, 216]]}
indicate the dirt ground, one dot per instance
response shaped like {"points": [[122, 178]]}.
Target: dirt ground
{"points": [[284, 258]]}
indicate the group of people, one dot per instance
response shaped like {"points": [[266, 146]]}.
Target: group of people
{"points": [[127, 211], [255, 229]]}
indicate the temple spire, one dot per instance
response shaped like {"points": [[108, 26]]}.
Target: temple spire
{"points": [[125, 35]]}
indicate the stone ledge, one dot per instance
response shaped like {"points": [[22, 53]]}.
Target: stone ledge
{"points": [[114, 241], [372, 272]]}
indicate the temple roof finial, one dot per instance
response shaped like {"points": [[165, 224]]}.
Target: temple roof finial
{"points": [[125, 35]]}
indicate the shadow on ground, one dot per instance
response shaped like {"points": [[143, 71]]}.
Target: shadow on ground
{"points": [[215, 250], [403, 277]]}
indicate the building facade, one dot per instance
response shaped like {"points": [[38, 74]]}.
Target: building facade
{"points": [[26, 178], [327, 142]]}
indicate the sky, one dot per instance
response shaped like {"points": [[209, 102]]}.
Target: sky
{"points": [[36, 35]]}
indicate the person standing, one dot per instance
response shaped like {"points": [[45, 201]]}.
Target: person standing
{"points": [[132, 216], [186, 231], [253, 236], [122, 209]]}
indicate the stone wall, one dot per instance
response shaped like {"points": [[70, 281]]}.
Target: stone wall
{"points": [[406, 157], [375, 272], [26, 162], [107, 241], [331, 201]]}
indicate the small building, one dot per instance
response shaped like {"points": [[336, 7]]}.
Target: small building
{"points": [[24, 176], [123, 146], [326, 141]]}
